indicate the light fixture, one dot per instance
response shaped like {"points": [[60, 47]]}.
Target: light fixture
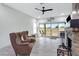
{"points": [[74, 12]]}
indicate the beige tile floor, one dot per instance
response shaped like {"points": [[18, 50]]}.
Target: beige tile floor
{"points": [[42, 47], [45, 47]]}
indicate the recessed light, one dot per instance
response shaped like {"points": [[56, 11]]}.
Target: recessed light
{"points": [[74, 12], [62, 14]]}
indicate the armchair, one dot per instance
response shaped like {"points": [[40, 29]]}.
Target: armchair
{"points": [[20, 48]]}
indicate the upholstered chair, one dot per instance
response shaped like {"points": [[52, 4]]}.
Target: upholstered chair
{"points": [[19, 47]]}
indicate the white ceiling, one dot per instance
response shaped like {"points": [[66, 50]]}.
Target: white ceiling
{"points": [[29, 8]]}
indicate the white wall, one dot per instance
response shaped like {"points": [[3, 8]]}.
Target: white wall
{"points": [[12, 21]]}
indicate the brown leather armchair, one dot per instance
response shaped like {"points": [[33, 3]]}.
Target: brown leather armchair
{"points": [[21, 48]]}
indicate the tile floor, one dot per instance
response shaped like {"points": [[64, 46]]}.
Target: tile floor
{"points": [[45, 47]]}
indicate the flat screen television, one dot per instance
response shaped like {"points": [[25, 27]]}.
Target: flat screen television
{"points": [[74, 23]]}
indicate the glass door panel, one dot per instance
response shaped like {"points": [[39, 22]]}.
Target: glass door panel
{"points": [[48, 29], [55, 30], [61, 27], [41, 29]]}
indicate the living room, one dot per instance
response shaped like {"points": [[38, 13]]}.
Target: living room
{"points": [[43, 26]]}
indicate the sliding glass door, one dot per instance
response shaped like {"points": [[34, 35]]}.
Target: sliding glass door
{"points": [[51, 29], [42, 29], [48, 29], [55, 30]]}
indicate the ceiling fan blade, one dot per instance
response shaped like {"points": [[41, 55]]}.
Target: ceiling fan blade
{"points": [[38, 9], [48, 10]]}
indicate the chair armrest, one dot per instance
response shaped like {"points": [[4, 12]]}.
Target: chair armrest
{"points": [[29, 41], [24, 44], [25, 41]]}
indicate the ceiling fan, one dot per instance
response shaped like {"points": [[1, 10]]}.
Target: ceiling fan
{"points": [[43, 10]]}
